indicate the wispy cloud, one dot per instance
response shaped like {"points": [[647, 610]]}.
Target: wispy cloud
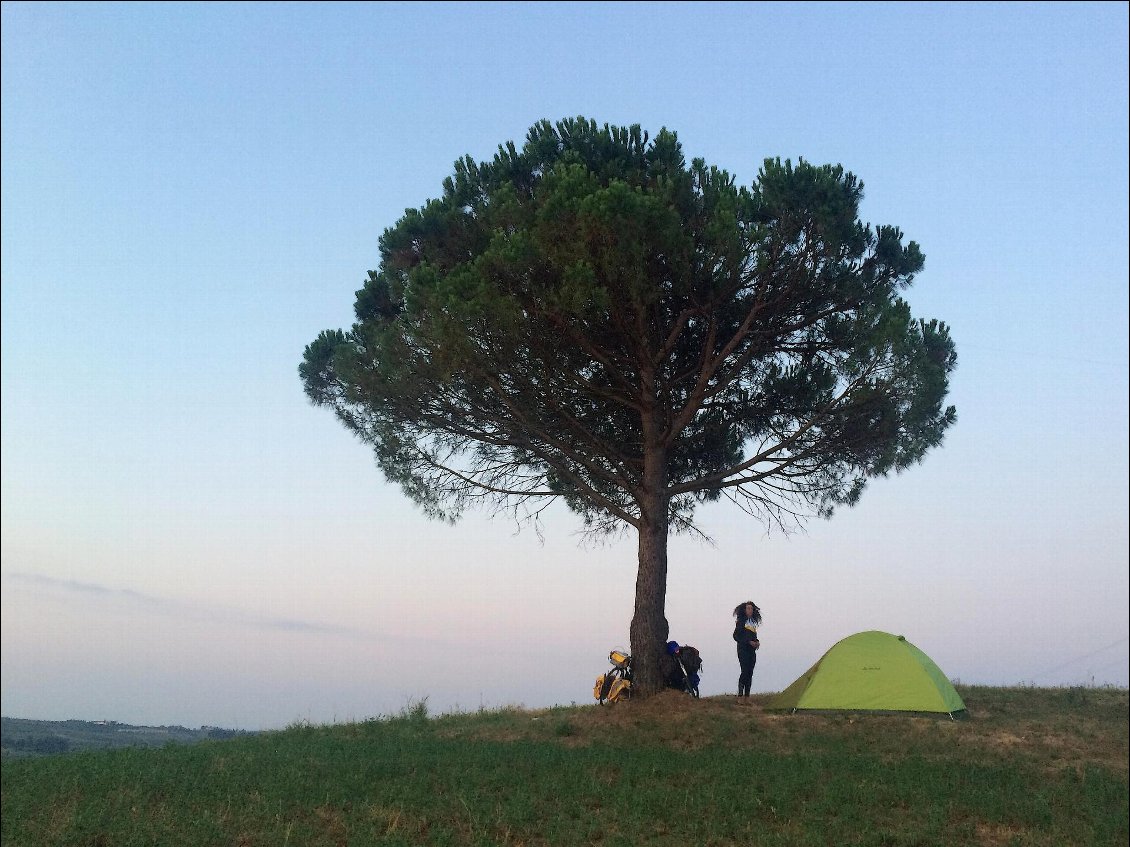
{"points": [[193, 610]]}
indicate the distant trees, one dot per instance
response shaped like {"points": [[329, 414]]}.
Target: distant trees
{"points": [[592, 319], [41, 744], [31, 737]]}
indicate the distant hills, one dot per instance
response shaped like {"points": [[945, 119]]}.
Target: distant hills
{"points": [[20, 737]]}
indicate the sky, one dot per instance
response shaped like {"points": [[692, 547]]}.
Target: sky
{"points": [[192, 192]]}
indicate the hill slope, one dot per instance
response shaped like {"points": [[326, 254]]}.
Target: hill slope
{"points": [[1030, 767]]}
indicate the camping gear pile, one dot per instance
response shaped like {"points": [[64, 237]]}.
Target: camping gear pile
{"points": [[867, 672], [681, 667]]}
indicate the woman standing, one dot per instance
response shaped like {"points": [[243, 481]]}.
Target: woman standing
{"points": [[747, 619]]}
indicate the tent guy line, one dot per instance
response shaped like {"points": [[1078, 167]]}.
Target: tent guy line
{"points": [[1077, 659]]}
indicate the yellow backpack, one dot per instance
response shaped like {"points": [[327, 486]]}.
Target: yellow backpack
{"points": [[615, 685]]}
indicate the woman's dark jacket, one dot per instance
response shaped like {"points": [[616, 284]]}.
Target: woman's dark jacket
{"points": [[743, 636]]}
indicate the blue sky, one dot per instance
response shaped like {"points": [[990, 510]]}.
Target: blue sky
{"points": [[191, 192]]}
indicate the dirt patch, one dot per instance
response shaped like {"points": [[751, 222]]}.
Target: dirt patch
{"points": [[665, 704], [669, 718], [993, 834]]}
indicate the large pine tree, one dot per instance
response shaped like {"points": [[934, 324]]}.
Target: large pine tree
{"points": [[591, 318]]}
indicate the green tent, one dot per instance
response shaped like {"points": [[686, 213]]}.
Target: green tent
{"points": [[872, 672]]}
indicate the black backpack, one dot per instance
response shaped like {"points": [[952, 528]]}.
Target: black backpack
{"points": [[692, 661]]}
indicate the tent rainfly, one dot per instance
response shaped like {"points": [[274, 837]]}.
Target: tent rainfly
{"points": [[872, 672]]}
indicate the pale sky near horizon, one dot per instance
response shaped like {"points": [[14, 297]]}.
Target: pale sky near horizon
{"points": [[191, 192]]}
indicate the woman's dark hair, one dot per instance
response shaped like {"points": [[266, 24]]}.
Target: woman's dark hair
{"points": [[739, 611]]}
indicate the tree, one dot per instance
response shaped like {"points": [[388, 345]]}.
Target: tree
{"points": [[591, 319]]}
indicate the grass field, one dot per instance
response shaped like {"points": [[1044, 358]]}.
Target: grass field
{"points": [[1030, 766]]}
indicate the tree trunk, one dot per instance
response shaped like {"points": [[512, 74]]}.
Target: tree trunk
{"points": [[649, 628]]}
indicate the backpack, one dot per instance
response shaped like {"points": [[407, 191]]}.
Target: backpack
{"points": [[691, 662], [691, 659], [611, 688], [615, 685]]}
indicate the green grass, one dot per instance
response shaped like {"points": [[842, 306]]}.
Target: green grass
{"points": [[1030, 767]]}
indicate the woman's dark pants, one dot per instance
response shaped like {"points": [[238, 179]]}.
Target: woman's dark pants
{"points": [[747, 658]]}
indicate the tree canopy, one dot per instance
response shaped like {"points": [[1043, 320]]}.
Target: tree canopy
{"points": [[593, 319]]}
